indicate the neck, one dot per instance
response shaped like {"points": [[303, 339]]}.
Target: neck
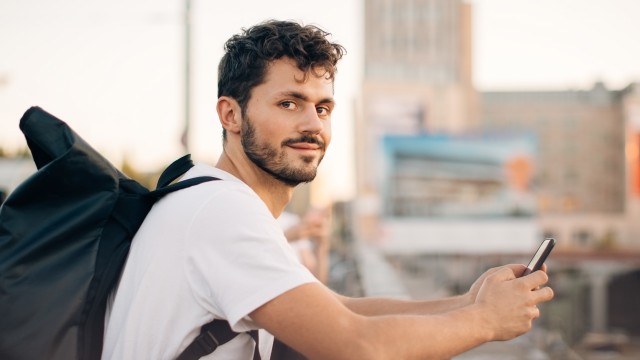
{"points": [[275, 194]]}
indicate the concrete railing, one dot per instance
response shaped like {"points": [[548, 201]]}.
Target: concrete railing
{"points": [[377, 276]]}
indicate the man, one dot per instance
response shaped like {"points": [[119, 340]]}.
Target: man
{"points": [[215, 251]]}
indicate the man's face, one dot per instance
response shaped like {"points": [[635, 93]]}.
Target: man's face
{"points": [[287, 122]]}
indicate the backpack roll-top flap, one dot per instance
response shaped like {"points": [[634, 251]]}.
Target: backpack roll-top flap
{"points": [[50, 232], [48, 137]]}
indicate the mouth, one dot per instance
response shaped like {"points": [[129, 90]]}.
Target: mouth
{"points": [[306, 150], [304, 146], [309, 145]]}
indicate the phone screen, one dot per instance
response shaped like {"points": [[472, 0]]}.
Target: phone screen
{"points": [[540, 256]]}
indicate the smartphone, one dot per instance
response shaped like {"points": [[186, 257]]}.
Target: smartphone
{"points": [[540, 256]]}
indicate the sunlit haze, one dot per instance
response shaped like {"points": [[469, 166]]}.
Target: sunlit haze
{"points": [[115, 70]]}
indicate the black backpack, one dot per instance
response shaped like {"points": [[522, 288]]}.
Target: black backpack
{"points": [[65, 233]]}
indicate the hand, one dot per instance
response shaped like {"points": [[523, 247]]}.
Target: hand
{"points": [[475, 287], [314, 226], [317, 226], [509, 303], [296, 232]]}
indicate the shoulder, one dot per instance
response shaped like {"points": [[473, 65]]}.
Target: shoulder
{"points": [[228, 204], [227, 193], [225, 179]]}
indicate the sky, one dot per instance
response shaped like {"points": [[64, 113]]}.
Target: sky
{"points": [[114, 69]]}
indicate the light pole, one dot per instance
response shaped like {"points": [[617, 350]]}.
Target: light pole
{"points": [[187, 75]]}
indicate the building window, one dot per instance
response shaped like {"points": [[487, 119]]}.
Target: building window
{"points": [[570, 203], [582, 237]]}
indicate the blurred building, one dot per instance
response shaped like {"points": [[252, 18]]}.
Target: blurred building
{"points": [[418, 86], [582, 188], [445, 171], [424, 184], [417, 75], [630, 107]]}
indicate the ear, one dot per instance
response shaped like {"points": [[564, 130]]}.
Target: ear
{"points": [[229, 114]]}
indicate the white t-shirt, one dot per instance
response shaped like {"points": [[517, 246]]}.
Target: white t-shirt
{"points": [[210, 251]]}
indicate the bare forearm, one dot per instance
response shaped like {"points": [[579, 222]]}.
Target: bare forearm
{"points": [[440, 336], [407, 337], [384, 306], [318, 323]]}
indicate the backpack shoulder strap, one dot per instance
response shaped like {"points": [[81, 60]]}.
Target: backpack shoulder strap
{"points": [[212, 335], [174, 171]]}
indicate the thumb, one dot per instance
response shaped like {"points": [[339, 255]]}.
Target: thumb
{"points": [[518, 269], [504, 273]]}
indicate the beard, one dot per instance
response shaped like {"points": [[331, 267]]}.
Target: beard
{"points": [[274, 161]]}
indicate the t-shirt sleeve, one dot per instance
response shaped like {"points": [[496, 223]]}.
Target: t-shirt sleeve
{"points": [[238, 258]]}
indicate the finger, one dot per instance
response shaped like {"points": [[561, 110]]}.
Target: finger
{"points": [[543, 295], [533, 312], [535, 279], [517, 269]]}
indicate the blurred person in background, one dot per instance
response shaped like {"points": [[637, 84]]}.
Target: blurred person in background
{"points": [[310, 237]]}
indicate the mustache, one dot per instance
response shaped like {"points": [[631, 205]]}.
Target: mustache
{"points": [[305, 139]]}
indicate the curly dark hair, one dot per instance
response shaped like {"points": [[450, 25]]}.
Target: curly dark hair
{"points": [[248, 55]]}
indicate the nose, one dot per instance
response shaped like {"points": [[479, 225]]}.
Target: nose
{"points": [[311, 122]]}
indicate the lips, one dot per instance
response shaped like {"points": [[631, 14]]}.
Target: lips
{"points": [[305, 146], [306, 142]]}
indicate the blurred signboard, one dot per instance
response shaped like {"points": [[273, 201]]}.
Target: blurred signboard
{"points": [[461, 194], [446, 176]]}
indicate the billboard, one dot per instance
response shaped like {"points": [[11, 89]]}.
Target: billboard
{"points": [[445, 176]]}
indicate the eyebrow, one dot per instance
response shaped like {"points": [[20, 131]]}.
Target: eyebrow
{"points": [[301, 96]]}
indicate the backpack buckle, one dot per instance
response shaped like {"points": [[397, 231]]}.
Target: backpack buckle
{"points": [[208, 342]]}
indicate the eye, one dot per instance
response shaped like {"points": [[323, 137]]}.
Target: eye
{"points": [[289, 105], [323, 110]]}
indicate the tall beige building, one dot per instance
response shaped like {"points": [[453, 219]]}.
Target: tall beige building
{"points": [[418, 74], [418, 41]]}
